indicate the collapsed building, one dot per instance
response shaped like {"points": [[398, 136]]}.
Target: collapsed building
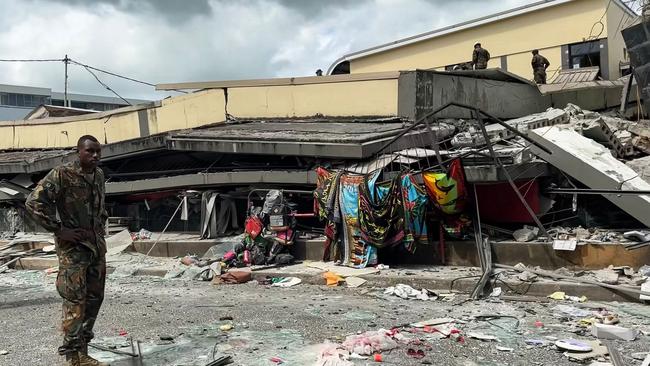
{"points": [[399, 163]]}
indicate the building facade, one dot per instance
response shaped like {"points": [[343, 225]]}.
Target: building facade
{"points": [[17, 101], [570, 33]]}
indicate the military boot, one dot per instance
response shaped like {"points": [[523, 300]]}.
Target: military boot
{"points": [[72, 359], [86, 360]]}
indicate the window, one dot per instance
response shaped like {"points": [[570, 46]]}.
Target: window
{"points": [[586, 54], [23, 100]]}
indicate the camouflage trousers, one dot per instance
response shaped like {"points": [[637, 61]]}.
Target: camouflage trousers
{"points": [[80, 282], [540, 76]]}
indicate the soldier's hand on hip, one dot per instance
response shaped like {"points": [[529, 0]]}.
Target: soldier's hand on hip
{"points": [[73, 235]]}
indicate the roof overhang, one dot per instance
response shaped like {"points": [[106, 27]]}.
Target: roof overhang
{"points": [[459, 27]]}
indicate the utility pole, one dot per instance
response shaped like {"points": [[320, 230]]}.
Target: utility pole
{"points": [[66, 103]]}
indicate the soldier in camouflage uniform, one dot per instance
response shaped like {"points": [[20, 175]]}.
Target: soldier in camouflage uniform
{"points": [[540, 64], [480, 57], [76, 192]]}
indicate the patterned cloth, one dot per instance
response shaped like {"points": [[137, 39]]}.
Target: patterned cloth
{"points": [[355, 252], [381, 213], [447, 190], [415, 208]]}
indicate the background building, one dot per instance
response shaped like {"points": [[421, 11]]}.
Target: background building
{"points": [[570, 33], [16, 102]]}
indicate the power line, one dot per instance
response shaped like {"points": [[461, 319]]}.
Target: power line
{"points": [[106, 86], [110, 73], [33, 60]]}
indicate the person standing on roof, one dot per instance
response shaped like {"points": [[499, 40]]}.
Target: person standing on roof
{"points": [[540, 64], [480, 57], [75, 191]]}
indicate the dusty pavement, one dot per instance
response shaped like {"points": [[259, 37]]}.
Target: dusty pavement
{"points": [[288, 323]]}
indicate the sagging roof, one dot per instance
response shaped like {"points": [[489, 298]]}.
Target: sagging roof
{"points": [[46, 110], [461, 26], [321, 137]]}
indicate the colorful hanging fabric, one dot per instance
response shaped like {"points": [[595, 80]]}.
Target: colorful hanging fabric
{"points": [[325, 195], [355, 252], [381, 217], [415, 208], [447, 190]]}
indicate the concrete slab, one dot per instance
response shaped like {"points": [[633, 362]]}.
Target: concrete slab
{"points": [[593, 165]]}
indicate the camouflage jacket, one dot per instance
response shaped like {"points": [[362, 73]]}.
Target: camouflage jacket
{"points": [[480, 58], [78, 201], [540, 62]]}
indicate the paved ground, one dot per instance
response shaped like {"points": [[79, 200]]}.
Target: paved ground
{"points": [[289, 323]]}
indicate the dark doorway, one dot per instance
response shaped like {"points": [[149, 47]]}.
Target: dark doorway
{"points": [[586, 54]]}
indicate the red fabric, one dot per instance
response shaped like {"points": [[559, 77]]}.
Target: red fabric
{"points": [[253, 226], [499, 203]]}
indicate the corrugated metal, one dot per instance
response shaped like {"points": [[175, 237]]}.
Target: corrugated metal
{"points": [[576, 75]]}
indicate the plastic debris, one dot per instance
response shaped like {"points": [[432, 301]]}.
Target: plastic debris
{"points": [[4, 352], [435, 321], [496, 292], [573, 345], [226, 327], [607, 331], [331, 355], [557, 295], [287, 282], [370, 342], [505, 349], [483, 337], [408, 292], [572, 311], [378, 358], [332, 279], [276, 360]]}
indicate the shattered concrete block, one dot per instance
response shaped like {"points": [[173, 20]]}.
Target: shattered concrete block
{"points": [[551, 117], [642, 144], [593, 165], [619, 141], [467, 139], [527, 233], [641, 166]]}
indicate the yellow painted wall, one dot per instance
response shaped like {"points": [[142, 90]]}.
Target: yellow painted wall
{"points": [[616, 20], [359, 98], [542, 29], [519, 63], [190, 110], [352, 98]]}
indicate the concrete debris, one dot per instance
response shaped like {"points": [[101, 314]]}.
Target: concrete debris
{"points": [[408, 292], [593, 165], [525, 234], [607, 331]]}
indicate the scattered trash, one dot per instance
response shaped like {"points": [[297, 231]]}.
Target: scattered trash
{"points": [[535, 342], [417, 354], [332, 279], [354, 282], [496, 292], [607, 331], [572, 311], [287, 282], [568, 245], [226, 327], [234, 276], [408, 292], [377, 358], [382, 266], [276, 360], [538, 324], [435, 321], [559, 295], [505, 349], [573, 345], [4, 352], [228, 317], [483, 337], [525, 234], [371, 342], [331, 355]]}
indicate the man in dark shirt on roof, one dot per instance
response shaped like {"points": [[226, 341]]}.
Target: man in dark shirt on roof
{"points": [[75, 191], [480, 57], [540, 64]]}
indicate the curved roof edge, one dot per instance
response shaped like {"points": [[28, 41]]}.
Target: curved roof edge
{"points": [[461, 26]]}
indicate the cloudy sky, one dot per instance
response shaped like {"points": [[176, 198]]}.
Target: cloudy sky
{"points": [[190, 40]]}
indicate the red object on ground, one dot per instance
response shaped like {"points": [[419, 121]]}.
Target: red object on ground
{"points": [[277, 360], [499, 203], [538, 324], [123, 333], [378, 358]]}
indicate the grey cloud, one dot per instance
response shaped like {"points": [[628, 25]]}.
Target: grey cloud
{"points": [[173, 10]]}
